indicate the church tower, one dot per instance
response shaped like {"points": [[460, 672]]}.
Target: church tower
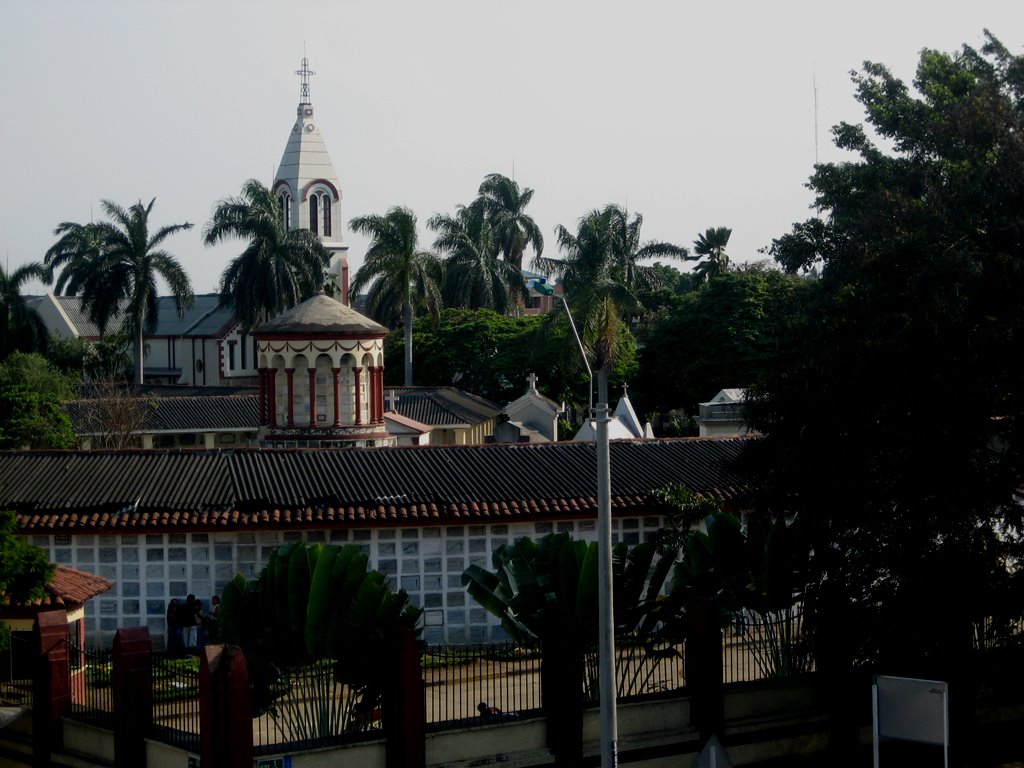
{"points": [[307, 188]]}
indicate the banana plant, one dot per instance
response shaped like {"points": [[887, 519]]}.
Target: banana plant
{"points": [[312, 603]]}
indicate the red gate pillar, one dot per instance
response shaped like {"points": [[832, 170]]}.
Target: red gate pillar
{"points": [[225, 708], [51, 685], [404, 710], [132, 679]]}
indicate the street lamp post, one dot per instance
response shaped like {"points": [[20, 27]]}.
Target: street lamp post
{"points": [[605, 590]]}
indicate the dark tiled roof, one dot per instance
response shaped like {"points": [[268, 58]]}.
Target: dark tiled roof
{"points": [[132, 490], [205, 318], [174, 414], [442, 406], [72, 306]]}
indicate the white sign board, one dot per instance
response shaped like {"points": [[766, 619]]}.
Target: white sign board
{"points": [[908, 709]]}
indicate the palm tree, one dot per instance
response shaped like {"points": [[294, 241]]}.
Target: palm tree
{"points": [[475, 277], [402, 276], [711, 247], [601, 274], [114, 267], [513, 228], [21, 327], [278, 268]]}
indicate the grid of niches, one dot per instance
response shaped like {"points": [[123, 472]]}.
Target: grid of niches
{"points": [[148, 570]]}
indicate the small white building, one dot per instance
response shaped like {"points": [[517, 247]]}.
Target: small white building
{"points": [[534, 413], [723, 414], [624, 424]]}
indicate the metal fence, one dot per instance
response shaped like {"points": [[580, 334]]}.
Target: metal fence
{"points": [[458, 680], [16, 672], [92, 692], [176, 701], [306, 708], [991, 634], [758, 648]]}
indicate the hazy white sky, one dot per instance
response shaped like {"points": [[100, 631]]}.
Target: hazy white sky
{"points": [[695, 115]]}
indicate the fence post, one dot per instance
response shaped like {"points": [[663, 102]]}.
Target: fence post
{"points": [[704, 668], [403, 708], [51, 686], [561, 688], [132, 679], [225, 708]]}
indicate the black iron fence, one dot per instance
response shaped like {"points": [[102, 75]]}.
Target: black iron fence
{"points": [[176, 701], [756, 647], [92, 692], [480, 681], [16, 664], [306, 708]]}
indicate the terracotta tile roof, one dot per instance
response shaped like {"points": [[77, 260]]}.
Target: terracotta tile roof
{"points": [[207, 490], [69, 588]]}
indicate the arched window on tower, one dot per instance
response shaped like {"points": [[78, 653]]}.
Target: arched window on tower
{"points": [[326, 199], [285, 202], [314, 214]]}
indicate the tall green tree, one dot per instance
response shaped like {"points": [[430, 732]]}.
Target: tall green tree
{"points": [[21, 327], [32, 396], [601, 274], [897, 421], [115, 268], [514, 229], [398, 274], [278, 268], [475, 278], [710, 249]]}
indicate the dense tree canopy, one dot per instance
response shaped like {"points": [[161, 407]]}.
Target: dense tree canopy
{"points": [[724, 335], [32, 392], [21, 327], [895, 417], [491, 355]]}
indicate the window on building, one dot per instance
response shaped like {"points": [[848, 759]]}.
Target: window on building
{"points": [[314, 214], [327, 215], [231, 356], [244, 365]]}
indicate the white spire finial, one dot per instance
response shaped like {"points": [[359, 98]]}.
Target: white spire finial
{"points": [[392, 399], [532, 378]]}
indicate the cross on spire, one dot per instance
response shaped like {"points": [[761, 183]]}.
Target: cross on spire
{"points": [[532, 378], [304, 74], [392, 399]]}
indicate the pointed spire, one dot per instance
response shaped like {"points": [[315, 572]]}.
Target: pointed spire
{"points": [[304, 74]]}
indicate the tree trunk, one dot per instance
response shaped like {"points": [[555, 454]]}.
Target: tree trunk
{"points": [[407, 319]]}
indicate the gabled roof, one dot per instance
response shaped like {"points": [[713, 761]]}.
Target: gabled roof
{"points": [[121, 491], [205, 318], [443, 406]]}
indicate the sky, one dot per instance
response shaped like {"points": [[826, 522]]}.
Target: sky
{"points": [[695, 115]]}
